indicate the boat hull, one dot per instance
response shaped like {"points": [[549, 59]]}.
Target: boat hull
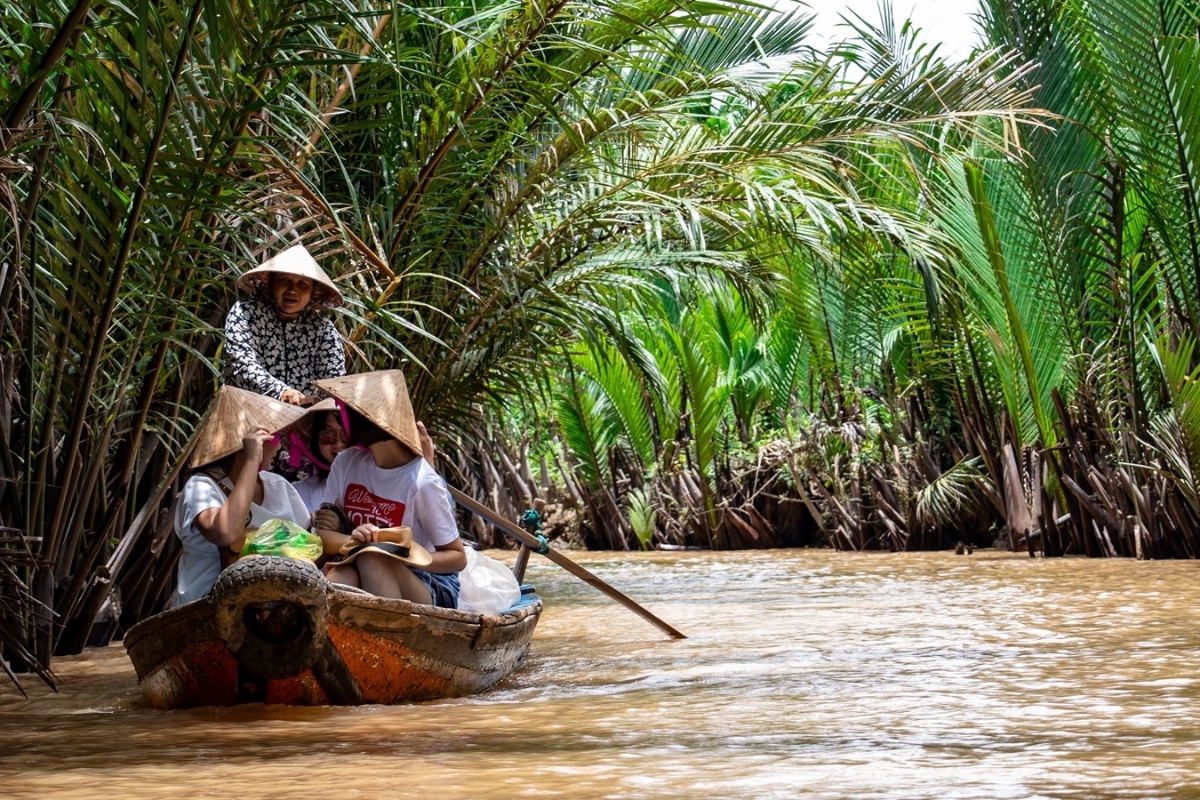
{"points": [[352, 648]]}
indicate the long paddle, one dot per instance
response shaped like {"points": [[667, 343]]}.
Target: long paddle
{"points": [[558, 558]]}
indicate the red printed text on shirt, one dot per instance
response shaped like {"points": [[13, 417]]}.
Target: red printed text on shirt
{"points": [[363, 506]]}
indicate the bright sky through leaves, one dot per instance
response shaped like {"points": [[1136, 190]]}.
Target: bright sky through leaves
{"points": [[949, 22]]}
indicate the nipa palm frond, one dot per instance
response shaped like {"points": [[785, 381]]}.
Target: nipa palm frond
{"points": [[939, 502]]}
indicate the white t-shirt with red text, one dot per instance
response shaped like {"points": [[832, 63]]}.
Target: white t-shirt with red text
{"points": [[411, 495]]}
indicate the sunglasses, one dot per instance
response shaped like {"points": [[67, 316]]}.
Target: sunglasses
{"points": [[327, 436]]}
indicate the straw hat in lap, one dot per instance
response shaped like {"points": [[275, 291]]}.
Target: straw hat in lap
{"points": [[394, 543], [381, 397], [295, 261], [233, 414]]}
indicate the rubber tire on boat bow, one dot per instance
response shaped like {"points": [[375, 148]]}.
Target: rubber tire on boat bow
{"points": [[275, 589]]}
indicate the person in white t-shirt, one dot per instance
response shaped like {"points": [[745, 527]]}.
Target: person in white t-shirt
{"points": [[386, 485], [229, 492]]}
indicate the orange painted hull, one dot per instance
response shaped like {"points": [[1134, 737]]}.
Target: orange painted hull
{"points": [[374, 650]]}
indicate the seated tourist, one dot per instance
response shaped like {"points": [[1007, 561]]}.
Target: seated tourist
{"points": [[385, 487], [229, 493], [317, 439]]}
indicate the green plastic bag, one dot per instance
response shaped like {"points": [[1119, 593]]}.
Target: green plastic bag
{"points": [[278, 537]]}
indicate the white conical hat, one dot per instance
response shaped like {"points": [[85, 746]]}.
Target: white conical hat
{"points": [[295, 261], [233, 413], [381, 397]]}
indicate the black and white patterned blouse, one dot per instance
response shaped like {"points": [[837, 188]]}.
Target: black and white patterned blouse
{"points": [[268, 355]]}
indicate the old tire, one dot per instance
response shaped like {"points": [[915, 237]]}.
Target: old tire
{"points": [[272, 613]]}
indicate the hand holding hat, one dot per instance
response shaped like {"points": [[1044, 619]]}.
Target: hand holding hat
{"points": [[254, 441], [365, 533], [395, 543]]}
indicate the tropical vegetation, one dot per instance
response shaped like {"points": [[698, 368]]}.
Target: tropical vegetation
{"points": [[715, 286]]}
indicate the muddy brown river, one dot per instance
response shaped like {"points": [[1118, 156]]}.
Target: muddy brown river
{"points": [[807, 673]]}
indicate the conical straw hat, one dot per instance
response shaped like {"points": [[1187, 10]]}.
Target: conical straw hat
{"points": [[295, 261], [233, 413], [381, 397], [306, 422], [328, 404], [305, 425]]}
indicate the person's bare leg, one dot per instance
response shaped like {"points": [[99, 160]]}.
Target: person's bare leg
{"points": [[413, 588], [347, 575], [386, 577], [376, 576]]}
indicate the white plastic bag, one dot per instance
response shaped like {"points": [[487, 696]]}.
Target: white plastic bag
{"points": [[486, 586]]}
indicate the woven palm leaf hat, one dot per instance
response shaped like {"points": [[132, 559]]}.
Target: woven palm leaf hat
{"points": [[381, 397], [328, 404], [233, 413], [294, 261]]}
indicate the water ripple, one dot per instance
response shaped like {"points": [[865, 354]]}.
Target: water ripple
{"points": [[807, 673]]}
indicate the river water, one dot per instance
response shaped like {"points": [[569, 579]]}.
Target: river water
{"points": [[807, 673]]}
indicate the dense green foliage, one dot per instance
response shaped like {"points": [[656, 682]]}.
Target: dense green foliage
{"points": [[1012, 348]]}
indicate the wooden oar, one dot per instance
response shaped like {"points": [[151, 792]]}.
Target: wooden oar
{"points": [[570, 566]]}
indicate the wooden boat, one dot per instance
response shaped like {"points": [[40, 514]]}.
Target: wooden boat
{"points": [[274, 630]]}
